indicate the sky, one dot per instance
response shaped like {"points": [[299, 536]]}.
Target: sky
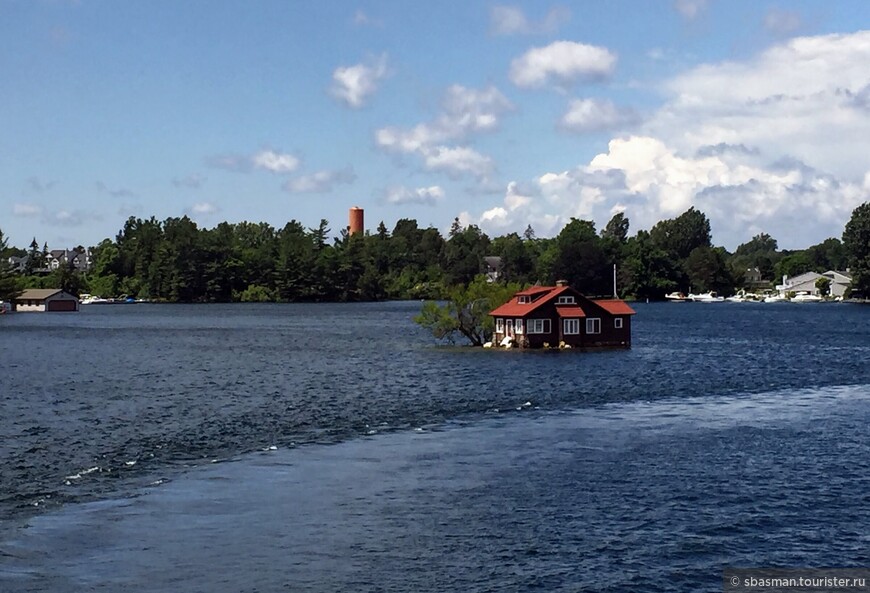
{"points": [[504, 115]]}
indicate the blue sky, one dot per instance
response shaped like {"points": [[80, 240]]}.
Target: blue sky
{"points": [[505, 115]]}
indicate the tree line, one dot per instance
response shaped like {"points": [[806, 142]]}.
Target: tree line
{"points": [[174, 260]]}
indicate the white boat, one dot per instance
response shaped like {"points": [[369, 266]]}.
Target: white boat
{"points": [[775, 298], [706, 297], [805, 297], [676, 297]]}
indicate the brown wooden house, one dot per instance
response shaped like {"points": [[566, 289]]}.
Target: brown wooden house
{"points": [[553, 316]]}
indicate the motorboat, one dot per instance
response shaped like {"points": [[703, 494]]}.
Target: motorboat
{"points": [[706, 297], [775, 298], [805, 297], [676, 297]]}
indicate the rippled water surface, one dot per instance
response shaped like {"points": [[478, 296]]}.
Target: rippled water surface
{"points": [[360, 457]]}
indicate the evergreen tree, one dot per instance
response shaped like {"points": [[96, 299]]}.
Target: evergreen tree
{"points": [[9, 285]]}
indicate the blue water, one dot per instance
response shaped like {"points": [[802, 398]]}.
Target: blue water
{"points": [[332, 447]]}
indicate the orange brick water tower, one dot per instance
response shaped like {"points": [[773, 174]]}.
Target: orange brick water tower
{"points": [[356, 221]]}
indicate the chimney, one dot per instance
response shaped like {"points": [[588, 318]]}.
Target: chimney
{"points": [[561, 283], [356, 221]]}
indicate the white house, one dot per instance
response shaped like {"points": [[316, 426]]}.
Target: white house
{"points": [[46, 299], [806, 282]]}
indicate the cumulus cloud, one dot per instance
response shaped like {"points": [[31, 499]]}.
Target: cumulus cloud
{"points": [[690, 9], [464, 113], [456, 161], [562, 63], [510, 20], [264, 160], [321, 181], [422, 195], [275, 162], [593, 115], [761, 145], [353, 85]]}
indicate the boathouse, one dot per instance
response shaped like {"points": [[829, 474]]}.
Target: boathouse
{"points": [[46, 299], [559, 316]]}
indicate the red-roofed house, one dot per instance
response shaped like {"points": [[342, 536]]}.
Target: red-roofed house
{"points": [[555, 315]]}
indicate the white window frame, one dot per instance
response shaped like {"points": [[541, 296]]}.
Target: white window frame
{"points": [[571, 326], [523, 300], [538, 326], [499, 325], [518, 326], [591, 324], [566, 300], [617, 323]]}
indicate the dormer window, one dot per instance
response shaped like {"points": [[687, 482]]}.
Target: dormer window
{"points": [[566, 300], [523, 300]]}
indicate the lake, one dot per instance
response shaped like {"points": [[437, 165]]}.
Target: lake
{"points": [[334, 447]]}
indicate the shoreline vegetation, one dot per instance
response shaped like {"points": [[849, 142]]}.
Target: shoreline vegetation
{"points": [[175, 261]]}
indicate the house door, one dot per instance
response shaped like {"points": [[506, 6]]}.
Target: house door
{"points": [[509, 327]]}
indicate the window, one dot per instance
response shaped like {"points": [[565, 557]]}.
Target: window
{"points": [[509, 326], [523, 300], [518, 326], [571, 326], [593, 326], [617, 323], [538, 326], [499, 325], [565, 300]]}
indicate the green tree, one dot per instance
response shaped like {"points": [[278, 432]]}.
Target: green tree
{"points": [[616, 228], [683, 234], [824, 285], [707, 270], [856, 242], [9, 284], [466, 311], [577, 255]]}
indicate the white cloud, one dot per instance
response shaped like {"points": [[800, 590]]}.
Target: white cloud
{"points": [[690, 9], [275, 162], [562, 63], [202, 209], [321, 181], [458, 160], [592, 115], [775, 143], [26, 210], [421, 195], [362, 19], [782, 22], [355, 84], [464, 112], [510, 20]]}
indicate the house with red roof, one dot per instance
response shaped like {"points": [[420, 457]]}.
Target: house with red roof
{"points": [[553, 316]]}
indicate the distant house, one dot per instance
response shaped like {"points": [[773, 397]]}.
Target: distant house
{"points": [[46, 299], [806, 282], [752, 279], [552, 316], [492, 268], [79, 260]]}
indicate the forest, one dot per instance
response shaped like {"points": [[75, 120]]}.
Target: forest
{"points": [[174, 260]]}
